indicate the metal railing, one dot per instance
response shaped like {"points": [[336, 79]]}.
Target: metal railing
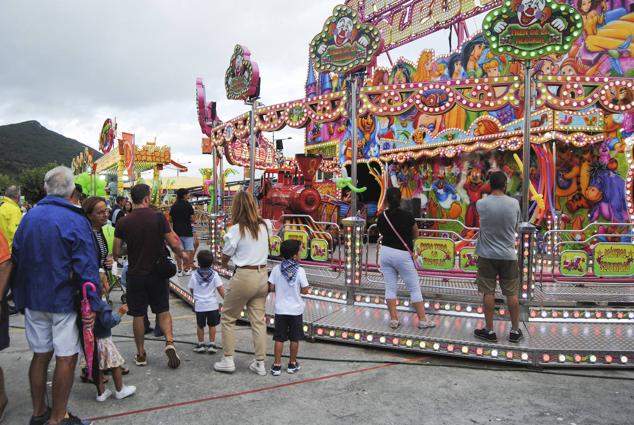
{"points": [[331, 233], [563, 257]]}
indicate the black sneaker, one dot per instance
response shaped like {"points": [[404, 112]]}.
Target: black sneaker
{"points": [[516, 335], [486, 335], [293, 368], [74, 420], [148, 330], [276, 370], [158, 332], [40, 420]]}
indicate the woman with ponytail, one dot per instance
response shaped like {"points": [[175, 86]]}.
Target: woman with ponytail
{"points": [[398, 228]]}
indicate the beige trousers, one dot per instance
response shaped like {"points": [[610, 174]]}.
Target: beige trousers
{"points": [[250, 288]]}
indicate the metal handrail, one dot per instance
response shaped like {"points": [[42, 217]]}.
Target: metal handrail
{"points": [[331, 244], [555, 255], [447, 220]]}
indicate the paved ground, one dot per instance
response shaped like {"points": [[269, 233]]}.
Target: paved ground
{"points": [[348, 385]]}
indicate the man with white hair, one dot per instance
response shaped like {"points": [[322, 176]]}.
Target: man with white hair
{"points": [[53, 255], [10, 213]]}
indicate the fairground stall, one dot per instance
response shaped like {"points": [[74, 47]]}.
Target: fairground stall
{"points": [[123, 160], [544, 93]]}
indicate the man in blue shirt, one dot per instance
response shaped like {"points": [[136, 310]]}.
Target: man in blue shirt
{"points": [[53, 254]]}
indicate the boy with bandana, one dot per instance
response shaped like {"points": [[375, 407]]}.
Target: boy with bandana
{"points": [[288, 281], [204, 284]]}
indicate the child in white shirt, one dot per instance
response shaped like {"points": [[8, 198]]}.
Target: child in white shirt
{"points": [[288, 280], [204, 283]]}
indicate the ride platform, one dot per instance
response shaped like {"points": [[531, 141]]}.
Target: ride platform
{"points": [[564, 326]]}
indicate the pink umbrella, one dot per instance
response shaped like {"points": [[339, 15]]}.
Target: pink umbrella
{"points": [[88, 334]]}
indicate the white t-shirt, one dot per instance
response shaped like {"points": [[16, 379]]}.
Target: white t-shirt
{"points": [[288, 299], [246, 251], [205, 292]]}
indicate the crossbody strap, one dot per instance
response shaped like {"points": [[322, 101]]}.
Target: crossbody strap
{"points": [[397, 234]]}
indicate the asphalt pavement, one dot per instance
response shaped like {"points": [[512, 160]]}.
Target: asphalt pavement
{"points": [[338, 384]]}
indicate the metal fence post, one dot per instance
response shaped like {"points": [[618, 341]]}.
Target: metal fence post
{"points": [[527, 265], [216, 226], [352, 245]]}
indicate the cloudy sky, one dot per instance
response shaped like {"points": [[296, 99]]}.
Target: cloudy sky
{"points": [[70, 64]]}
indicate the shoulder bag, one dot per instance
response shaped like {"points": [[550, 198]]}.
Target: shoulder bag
{"points": [[401, 239], [164, 265]]}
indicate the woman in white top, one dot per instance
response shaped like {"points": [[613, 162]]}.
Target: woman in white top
{"points": [[247, 244]]}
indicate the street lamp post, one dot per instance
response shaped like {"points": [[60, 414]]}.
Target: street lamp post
{"points": [[279, 152]]}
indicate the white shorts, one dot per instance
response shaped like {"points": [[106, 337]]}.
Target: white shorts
{"points": [[57, 332]]}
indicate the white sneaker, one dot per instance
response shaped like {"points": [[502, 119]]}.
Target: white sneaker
{"points": [[426, 324], [257, 366], [180, 273], [126, 391], [103, 397], [225, 364], [200, 348], [188, 272]]}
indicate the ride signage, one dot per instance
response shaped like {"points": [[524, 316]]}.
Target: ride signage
{"points": [[403, 21], [345, 44], [434, 253], [614, 259], [529, 29], [242, 78]]}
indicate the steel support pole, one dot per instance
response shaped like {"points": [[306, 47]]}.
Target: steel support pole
{"points": [[353, 124], [252, 146], [214, 176], [526, 148], [221, 187]]}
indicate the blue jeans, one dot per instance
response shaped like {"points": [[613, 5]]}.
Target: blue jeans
{"points": [[394, 263]]}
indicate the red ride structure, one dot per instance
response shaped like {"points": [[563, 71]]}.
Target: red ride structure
{"points": [[288, 195]]}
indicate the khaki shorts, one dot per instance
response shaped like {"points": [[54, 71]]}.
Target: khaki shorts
{"points": [[490, 270]]}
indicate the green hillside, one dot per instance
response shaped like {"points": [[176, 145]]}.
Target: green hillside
{"points": [[29, 144]]}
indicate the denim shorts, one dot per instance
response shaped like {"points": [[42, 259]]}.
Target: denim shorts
{"points": [[187, 243]]}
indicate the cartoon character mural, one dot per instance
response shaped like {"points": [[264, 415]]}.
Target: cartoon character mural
{"points": [[606, 193], [450, 187], [476, 188]]}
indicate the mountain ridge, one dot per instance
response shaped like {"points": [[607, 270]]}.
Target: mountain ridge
{"points": [[29, 144]]}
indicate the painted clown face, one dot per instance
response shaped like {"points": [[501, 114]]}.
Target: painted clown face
{"points": [[530, 11], [343, 32]]}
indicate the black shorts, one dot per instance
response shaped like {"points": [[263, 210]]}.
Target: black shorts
{"points": [[211, 318], [144, 290], [4, 324], [288, 327]]}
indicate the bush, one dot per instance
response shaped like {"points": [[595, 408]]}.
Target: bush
{"points": [[32, 183]]}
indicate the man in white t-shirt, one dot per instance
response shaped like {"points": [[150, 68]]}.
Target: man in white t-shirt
{"points": [[204, 284], [288, 281]]}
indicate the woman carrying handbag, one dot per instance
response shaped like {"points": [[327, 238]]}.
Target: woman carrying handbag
{"points": [[398, 227]]}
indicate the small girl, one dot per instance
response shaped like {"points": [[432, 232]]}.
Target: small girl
{"points": [[109, 356]]}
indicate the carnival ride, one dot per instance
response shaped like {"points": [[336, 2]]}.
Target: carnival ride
{"points": [[436, 128]]}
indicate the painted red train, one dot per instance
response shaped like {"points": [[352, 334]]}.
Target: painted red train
{"points": [[293, 193]]}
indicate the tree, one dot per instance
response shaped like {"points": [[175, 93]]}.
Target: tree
{"points": [[32, 183], [5, 181]]}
